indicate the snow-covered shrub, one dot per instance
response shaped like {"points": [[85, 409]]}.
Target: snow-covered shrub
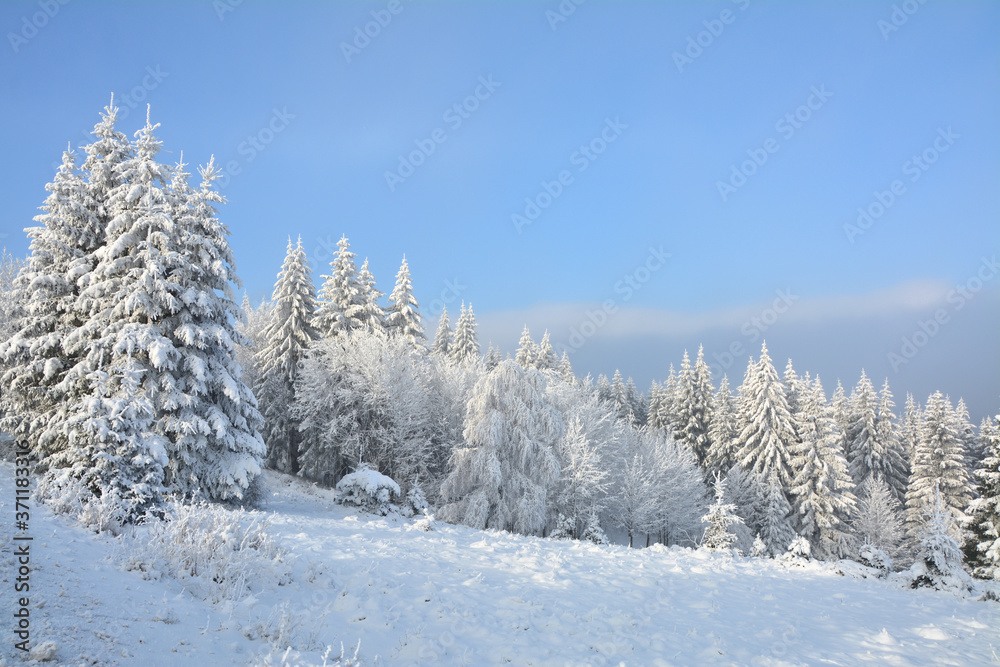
{"points": [[415, 502], [368, 489], [759, 549], [63, 494], [798, 550], [593, 532], [290, 658], [218, 553], [875, 558], [564, 528]]}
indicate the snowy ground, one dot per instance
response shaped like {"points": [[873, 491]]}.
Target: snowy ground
{"points": [[458, 596]]}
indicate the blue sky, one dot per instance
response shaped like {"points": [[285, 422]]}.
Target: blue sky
{"points": [[833, 99]]}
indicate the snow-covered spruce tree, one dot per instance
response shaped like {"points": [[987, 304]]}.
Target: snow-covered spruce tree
{"points": [[402, 315], [527, 351], [342, 302], [667, 412], [546, 358], [603, 388], [821, 489], [720, 519], [939, 558], [465, 347], [653, 406], [841, 414], [938, 468], [566, 368], [210, 417], [967, 433], [722, 429], [287, 337], [33, 357], [982, 548], [875, 446], [501, 478], [443, 335], [620, 399], [372, 314], [694, 405], [878, 519], [114, 450], [776, 527], [764, 442], [593, 532], [909, 427], [743, 490], [492, 358]]}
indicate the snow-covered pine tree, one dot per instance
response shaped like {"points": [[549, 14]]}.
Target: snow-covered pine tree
{"points": [[593, 532], [11, 306], [821, 490], [527, 351], [938, 468], [34, 357], [841, 415], [768, 432], [211, 421], [793, 388], [653, 407], [114, 450], [566, 368], [286, 339], [939, 557], [720, 518], [253, 326], [341, 304], [722, 429], [878, 519], [584, 476], [668, 401], [890, 458], [603, 388], [909, 428], [465, 346], [443, 335], [403, 316], [546, 358], [967, 433], [862, 409], [694, 405], [619, 398], [501, 478], [492, 358], [982, 548], [372, 314], [636, 402], [776, 527]]}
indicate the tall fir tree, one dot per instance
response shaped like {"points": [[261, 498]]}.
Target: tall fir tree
{"points": [[372, 315], [694, 405], [287, 338], [768, 432], [720, 519], [939, 468], [821, 490], [909, 428], [722, 429], [861, 428], [465, 347], [527, 350], [566, 368], [403, 314], [546, 358], [341, 303], [982, 548], [443, 335]]}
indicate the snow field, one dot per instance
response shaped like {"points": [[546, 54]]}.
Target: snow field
{"points": [[456, 596]]}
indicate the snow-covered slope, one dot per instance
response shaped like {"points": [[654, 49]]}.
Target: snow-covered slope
{"points": [[452, 595]]}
